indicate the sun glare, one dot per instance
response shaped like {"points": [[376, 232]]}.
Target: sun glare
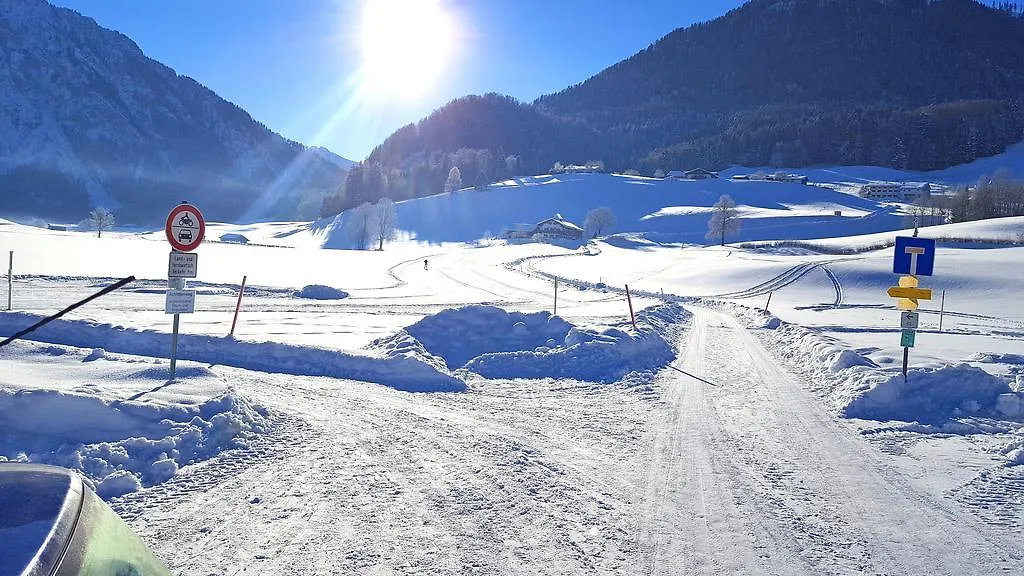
{"points": [[406, 46]]}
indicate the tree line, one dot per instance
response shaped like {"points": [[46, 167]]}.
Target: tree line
{"points": [[995, 196]]}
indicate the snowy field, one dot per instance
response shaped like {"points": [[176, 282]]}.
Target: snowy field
{"points": [[376, 413]]}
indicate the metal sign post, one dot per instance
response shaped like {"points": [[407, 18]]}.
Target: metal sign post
{"points": [[185, 229], [912, 257], [174, 347]]}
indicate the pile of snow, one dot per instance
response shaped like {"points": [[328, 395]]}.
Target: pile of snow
{"points": [[932, 395], [858, 388], [462, 334], [320, 292], [121, 446], [402, 369], [1015, 453], [495, 343]]}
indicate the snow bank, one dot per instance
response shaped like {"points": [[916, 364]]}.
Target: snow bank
{"points": [[120, 446], [461, 334], [930, 395], [858, 388], [400, 368], [499, 344], [320, 292]]}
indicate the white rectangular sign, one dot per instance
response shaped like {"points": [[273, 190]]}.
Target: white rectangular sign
{"points": [[183, 265], [180, 302], [909, 320]]}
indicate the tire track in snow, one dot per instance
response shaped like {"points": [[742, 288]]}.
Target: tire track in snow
{"points": [[827, 497], [693, 519]]}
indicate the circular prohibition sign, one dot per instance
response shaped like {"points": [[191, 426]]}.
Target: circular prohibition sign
{"points": [[185, 228]]}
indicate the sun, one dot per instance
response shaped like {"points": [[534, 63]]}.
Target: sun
{"points": [[406, 46]]}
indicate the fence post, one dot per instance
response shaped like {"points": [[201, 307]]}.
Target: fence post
{"points": [[629, 299], [942, 309], [238, 305], [556, 298]]}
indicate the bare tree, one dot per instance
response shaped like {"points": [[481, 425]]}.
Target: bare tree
{"points": [[100, 219], [385, 220], [359, 225], [724, 219], [512, 163], [598, 221], [454, 181]]}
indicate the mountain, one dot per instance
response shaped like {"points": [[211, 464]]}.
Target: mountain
{"points": [[87, 119], [907, 84], [342, 163]]}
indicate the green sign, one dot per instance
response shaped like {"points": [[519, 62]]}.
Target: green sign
{"points": [[907, 341]]}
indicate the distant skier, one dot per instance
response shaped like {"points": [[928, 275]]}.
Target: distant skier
{"points": [[424, 263]]}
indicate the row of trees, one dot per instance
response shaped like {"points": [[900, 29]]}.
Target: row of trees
{"points": [[420, 176], [992, 197], [995, 196]]}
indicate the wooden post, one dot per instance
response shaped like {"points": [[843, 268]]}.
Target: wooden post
{"points": [[629, 299], [10, 279], [238, 305], [942, 309], [556, 298]]}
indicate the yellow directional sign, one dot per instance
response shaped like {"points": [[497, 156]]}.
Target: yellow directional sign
{"points": [[908, 281], [907, 304], [912, 293]]}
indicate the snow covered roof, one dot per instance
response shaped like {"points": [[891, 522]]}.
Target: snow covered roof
{"points": [[562, 221]]}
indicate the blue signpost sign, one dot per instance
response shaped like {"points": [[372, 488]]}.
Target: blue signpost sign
{"points": [[914, 256]]}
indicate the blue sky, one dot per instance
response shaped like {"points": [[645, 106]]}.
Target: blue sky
{"points": [[291, 63]]}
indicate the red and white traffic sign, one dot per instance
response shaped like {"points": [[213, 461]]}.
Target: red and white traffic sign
{"points": [[185, 227]]}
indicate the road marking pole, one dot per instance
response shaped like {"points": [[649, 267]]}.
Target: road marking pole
{"points": [[10, 279], [629, 299], [556, 298], [766, 304], [238, 304], [942, 309]]}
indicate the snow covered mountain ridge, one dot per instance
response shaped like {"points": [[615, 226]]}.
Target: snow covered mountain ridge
{"points": [[86, 119]]}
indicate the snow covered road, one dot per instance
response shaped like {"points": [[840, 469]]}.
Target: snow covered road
{"points": [[753, 477], [750, 476], [534, 477]]}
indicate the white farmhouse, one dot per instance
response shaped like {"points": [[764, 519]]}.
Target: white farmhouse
{"points": [[895, 192]]}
